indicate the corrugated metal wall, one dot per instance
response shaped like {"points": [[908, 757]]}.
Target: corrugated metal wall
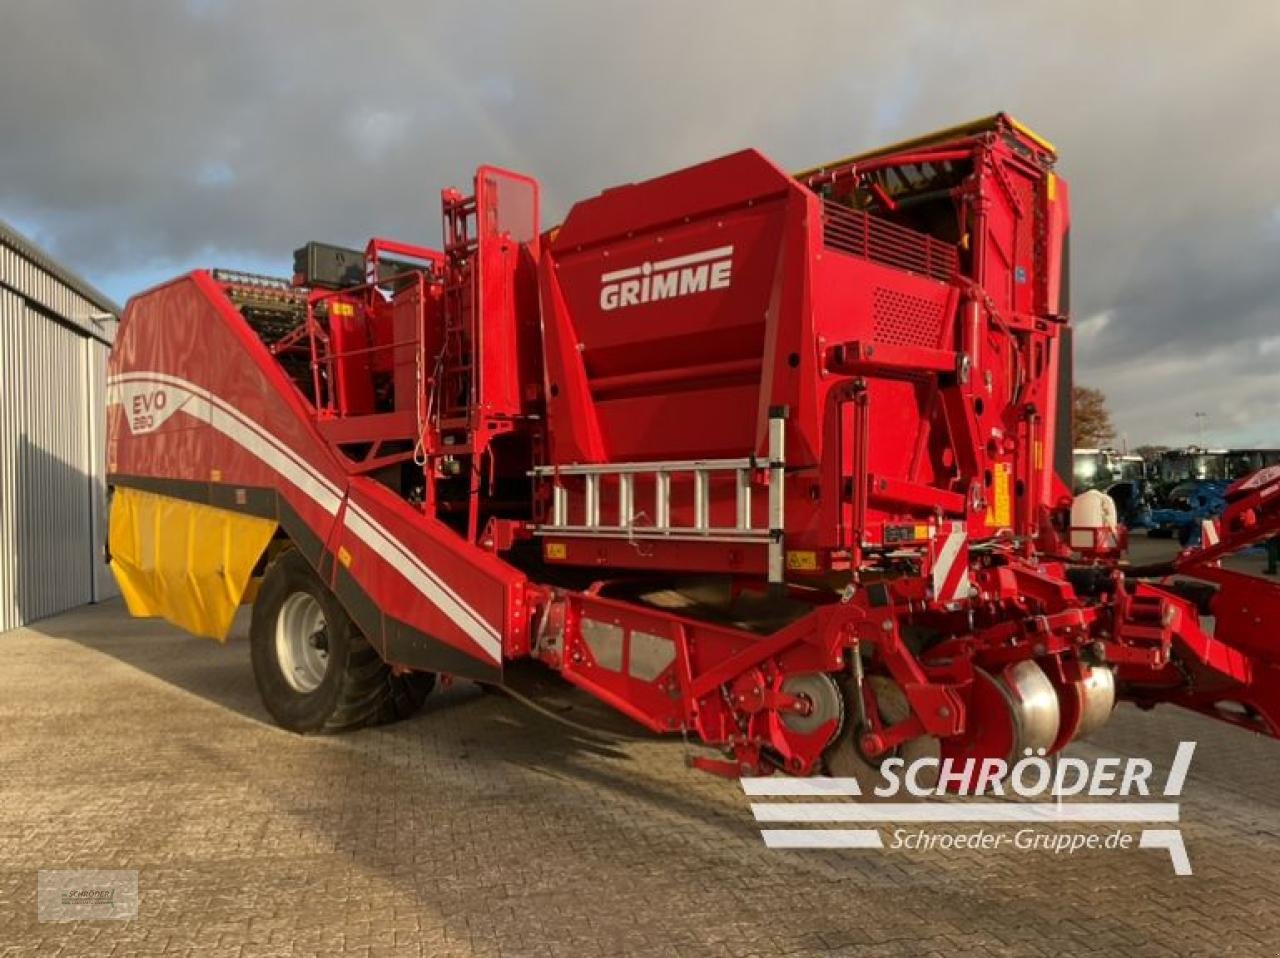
{"points": [[104, 583], [28, 279], [52, 438]]}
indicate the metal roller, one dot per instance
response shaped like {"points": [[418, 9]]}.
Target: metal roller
{"points": [[1035, 704], [1098, 699]]}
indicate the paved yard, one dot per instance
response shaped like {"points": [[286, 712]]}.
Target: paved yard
{"points": [[484, 828]]}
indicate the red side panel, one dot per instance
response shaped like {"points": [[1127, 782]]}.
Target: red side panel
{"points": [[227, 413], [200, 410], [422, 573], [656, 313]]}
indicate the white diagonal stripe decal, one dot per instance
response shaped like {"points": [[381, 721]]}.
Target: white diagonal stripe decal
{"points": [[424, 580], [249, 435], [946, 559]]}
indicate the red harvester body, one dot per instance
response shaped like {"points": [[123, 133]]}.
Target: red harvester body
{"points": [[778, 460]]}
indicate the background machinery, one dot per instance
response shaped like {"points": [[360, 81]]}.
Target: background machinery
{"points": [[1191, 485], [780, 462], [1193, 464], [1125, 478]]}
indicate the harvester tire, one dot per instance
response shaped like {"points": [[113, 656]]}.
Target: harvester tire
{"points": [[405, 695], [314, 669]]}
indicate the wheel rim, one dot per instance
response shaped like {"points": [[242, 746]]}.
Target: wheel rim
{"points": [[302, 644]]}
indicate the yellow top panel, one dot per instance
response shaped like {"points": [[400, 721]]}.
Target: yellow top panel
{"points": [[983, 125]]}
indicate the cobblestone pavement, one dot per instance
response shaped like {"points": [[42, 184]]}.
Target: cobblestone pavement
{"points": [[484, 828]]}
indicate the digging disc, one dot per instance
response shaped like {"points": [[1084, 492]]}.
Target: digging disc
{"points": [[1071, 701], [844, 759], [1019, 709]]}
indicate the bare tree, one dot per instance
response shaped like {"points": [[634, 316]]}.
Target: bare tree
{"points": [[1091, 419]]}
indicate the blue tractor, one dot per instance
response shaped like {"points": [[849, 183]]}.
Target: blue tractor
{"points": [[1185, 506], [1191, 486]]}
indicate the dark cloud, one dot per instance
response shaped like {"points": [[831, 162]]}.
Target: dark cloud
{"points": [[137, 135]]}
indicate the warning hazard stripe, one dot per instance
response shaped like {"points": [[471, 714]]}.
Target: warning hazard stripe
{"points": [[951, 564]]}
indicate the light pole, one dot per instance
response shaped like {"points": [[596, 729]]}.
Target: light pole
{"points": [[1200, 418]]}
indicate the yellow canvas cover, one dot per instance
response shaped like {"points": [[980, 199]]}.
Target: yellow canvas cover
{"points": [[183, 561]]}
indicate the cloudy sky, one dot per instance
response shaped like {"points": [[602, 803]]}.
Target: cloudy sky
{"points": [[140, 139]]}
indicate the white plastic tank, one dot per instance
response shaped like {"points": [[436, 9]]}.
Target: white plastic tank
{"points": [[1089, 511]]}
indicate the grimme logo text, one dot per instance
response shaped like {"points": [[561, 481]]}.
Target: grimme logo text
{"points": [[667, 279]]}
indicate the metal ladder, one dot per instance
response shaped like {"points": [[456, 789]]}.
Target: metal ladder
{"points": [[623, 523]]}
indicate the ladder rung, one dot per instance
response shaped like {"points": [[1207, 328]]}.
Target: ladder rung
{"points": [[701, 499], [742, 479], [592, 501], [662, 499]]}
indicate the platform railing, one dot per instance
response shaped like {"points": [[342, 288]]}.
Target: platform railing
{"points": [[325, 359]]}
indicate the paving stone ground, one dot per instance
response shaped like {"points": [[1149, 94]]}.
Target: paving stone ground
{"points": [[482, 827]]}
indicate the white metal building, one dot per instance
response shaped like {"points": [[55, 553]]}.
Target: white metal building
{"points": [[55, 330]]}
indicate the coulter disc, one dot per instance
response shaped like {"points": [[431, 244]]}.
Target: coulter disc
{"points": [[1007, 714], [845, 757]]}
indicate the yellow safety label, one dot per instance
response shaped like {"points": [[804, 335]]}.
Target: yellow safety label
{"points": [[1000, 512], [556, 550], [803, 560]]}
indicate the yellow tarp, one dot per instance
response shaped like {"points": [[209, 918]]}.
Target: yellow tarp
{"points": [[182, 561]]}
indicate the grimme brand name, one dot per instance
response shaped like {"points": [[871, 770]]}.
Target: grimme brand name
{"points": [[667, 279]]}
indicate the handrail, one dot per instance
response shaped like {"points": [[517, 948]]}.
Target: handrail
{"points": [[327, 358]]}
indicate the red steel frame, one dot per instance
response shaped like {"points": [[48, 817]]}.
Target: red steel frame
{"points": [[916, 489]]}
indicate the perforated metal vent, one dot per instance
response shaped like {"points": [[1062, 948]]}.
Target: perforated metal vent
{"points": [[905, 320]]}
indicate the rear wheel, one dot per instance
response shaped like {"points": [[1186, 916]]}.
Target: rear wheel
{"points": [[405, 695], [314, 669]]}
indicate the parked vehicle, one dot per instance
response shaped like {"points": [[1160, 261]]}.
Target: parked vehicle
{"points": [[1121, 476], [1186, 506]]}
